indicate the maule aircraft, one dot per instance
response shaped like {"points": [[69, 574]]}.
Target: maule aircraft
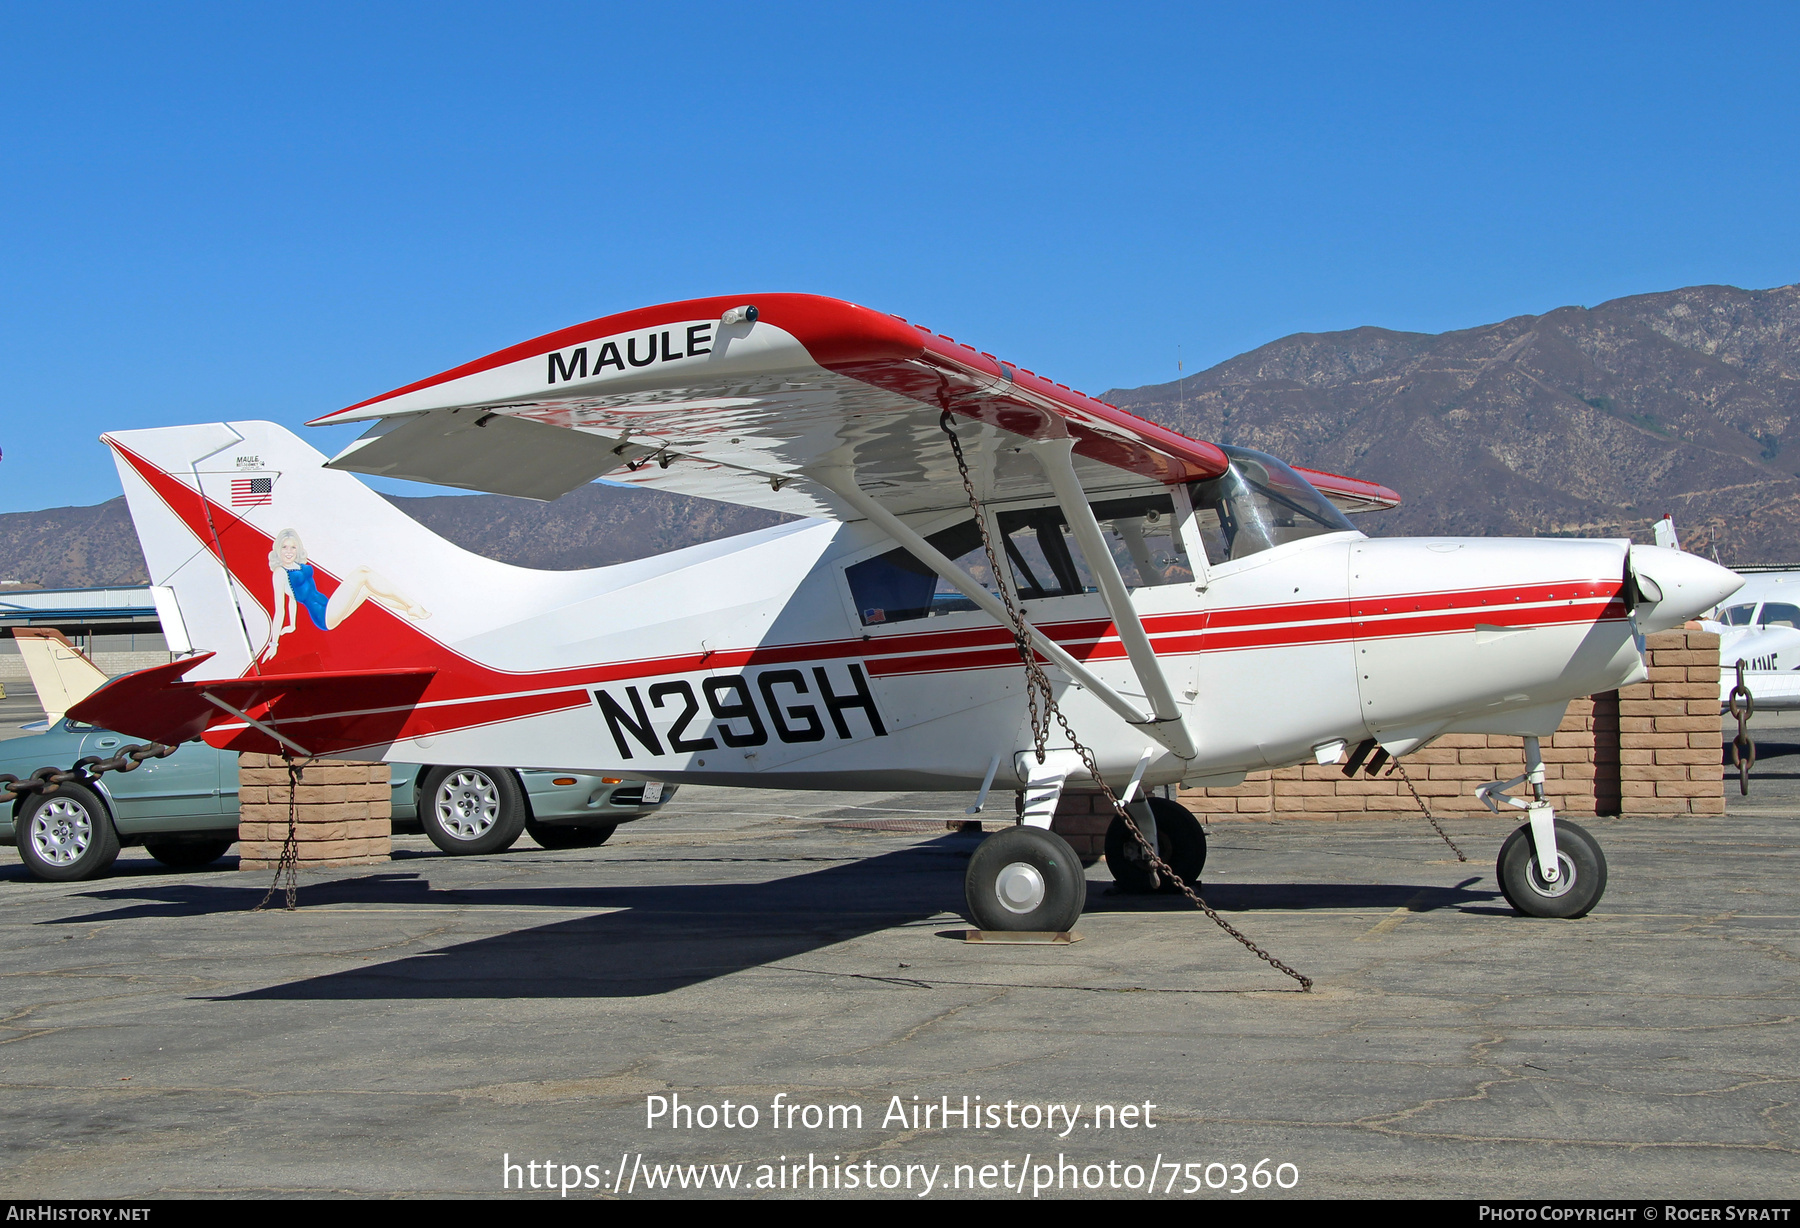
{"points": [[1199, 611]]}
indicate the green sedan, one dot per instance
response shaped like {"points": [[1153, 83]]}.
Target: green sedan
{"points": [[184, 809]]}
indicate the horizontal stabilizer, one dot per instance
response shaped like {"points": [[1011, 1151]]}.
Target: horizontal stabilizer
{"points": [[309, 714]]}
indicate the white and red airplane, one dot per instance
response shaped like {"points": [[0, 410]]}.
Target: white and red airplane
{"points": [[1202, 611]]}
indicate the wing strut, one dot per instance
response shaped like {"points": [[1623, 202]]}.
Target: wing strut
{"points": [[1054, 455], [841, 482], [270, 730]]}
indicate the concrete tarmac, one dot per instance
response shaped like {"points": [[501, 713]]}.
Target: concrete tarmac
{"points": [[414, 1025]]}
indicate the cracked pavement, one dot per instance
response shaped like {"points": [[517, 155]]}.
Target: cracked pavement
{"points": [[414, 1021]]}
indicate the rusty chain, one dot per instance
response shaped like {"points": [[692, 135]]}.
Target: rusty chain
{"points": [[1743, 747], [1037, 684], [1426, 811], [287, 867], [48, 779]]}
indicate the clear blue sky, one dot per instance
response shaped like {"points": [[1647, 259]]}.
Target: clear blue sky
{"points": [[238, 210]]}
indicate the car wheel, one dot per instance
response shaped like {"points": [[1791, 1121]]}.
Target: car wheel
{"points": [[187, 854], [468, 810], [1180, 842], [66, 836], [1025, 878], [568, 835]]}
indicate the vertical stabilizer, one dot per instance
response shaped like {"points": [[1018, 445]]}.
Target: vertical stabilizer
{"points": [[278, 565], [60, 674], [1664, 530]]}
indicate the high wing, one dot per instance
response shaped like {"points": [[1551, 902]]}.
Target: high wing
{"points": [[735, 398]]}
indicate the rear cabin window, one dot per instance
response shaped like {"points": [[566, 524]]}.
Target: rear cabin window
{"points": [[896, 587], [1778, 614]]}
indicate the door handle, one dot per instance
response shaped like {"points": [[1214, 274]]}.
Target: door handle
{"points": [[105, 742]]}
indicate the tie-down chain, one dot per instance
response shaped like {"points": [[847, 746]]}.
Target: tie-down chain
{"points": [[49, 779], [1743, 747], [1041, 701]]}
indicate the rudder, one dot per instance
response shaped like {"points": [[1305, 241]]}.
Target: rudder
{"points": [[273, 560]]}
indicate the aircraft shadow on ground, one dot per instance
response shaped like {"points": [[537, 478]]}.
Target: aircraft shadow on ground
{"points": [[668, 937]]}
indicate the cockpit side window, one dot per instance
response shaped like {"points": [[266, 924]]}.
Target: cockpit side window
{"points": [[1739, 615], [1139, 532], [1257, 504]]}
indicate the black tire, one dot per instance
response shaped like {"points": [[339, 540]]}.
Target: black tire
{"points": [[569, 836], [471, 810], [1025, 878], [1180, 842], [1582, 864], [187, 854], [66, 836]]}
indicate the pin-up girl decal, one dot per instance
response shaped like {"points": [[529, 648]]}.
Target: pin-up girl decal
{"points": [[296, 589]]}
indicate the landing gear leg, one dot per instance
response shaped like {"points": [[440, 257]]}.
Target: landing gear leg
{"points": [[1545, 869]]}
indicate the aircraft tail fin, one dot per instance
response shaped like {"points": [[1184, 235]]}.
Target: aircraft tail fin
{"points": [[60, 673], [276, 565], [1664, 530]]}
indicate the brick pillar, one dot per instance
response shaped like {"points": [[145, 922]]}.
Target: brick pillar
{"points": [[1653, 748], [1082, 817], [342, 811], [1670, 749]]}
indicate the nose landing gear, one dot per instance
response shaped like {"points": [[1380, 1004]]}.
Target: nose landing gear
{"points": [[1580, 873], [1180, 841], [1546, 868]]}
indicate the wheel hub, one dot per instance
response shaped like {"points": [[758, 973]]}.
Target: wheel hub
{"points": [[1565, 877], [1020, 886], [61, 832], [468, 805]]}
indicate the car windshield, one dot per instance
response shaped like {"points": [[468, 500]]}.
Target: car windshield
{"points": [[1257, 504]]}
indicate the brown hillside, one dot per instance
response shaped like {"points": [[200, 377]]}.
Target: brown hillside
{"points": [[1579, 421], [74, 547]]}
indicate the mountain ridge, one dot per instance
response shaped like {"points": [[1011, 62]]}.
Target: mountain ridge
{"points": [[1577, 421]]}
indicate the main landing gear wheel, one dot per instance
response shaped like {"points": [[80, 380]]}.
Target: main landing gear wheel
{"points": [[1580, 882], [569, 836], [1025, 878], [467, 810], [66, 836], [1180, 842]]}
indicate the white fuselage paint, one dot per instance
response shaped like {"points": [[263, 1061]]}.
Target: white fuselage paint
{"points": [[745, 662], [1264, 669]]}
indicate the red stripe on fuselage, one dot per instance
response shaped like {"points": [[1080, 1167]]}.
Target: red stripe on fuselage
{"points": [[479, 694]]}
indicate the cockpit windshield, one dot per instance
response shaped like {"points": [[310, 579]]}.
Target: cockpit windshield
{"points": [[1257, 504]]}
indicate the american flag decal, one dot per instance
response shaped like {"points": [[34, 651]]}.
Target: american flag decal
{"points": [[252, 492]]}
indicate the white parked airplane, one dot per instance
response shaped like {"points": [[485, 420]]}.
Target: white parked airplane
{"points": [[1201, 611], [1757, 625]]}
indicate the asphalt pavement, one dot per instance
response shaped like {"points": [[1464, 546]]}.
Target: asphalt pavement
{"points": [[416, 1027]]}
